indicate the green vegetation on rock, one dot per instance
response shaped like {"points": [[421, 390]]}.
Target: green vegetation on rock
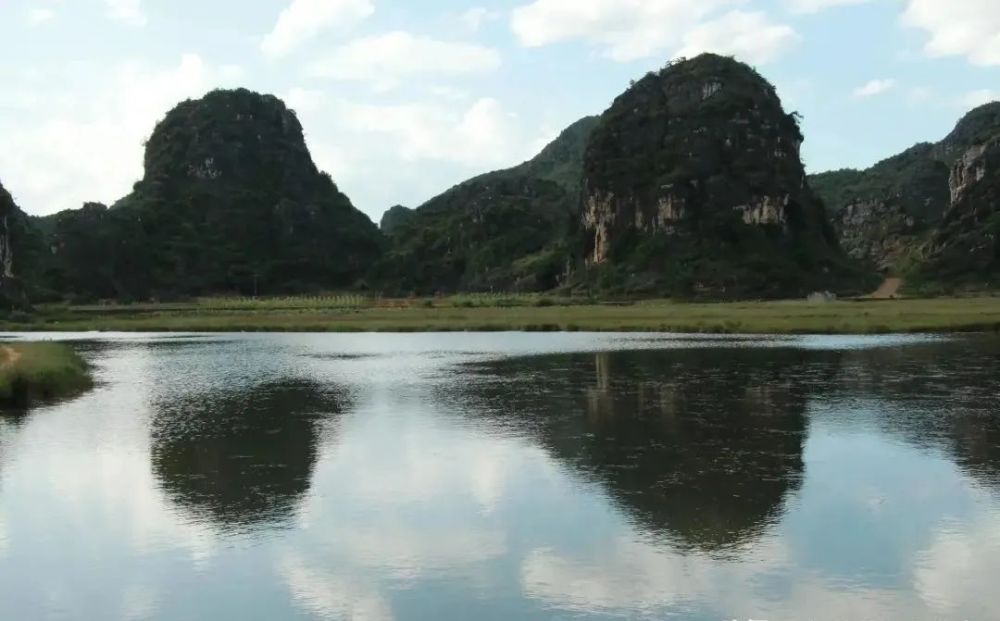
{"points": [[693, 185], [690, 185], [393, 218], [915, 179], [505, 230], [887, 214], [230, 201], [561, 161]]}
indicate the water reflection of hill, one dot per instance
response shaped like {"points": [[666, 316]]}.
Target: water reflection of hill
{"points": [[942, 395], [705, 444], [700, 445], [240, 457]]}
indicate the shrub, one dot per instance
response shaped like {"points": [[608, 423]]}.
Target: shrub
{"points": [[40, 371]]}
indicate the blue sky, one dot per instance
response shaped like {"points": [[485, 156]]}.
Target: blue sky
{"points": [[401, 100]]}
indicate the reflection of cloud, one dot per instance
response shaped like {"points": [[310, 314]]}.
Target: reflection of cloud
{"points": [[112, 485], [635, 575], [478, 468], [126, 491], [139, 602], [959, 568], [405, 460], [638, 579], [950, 578], [3, 536], [331, 596], [408, 551], [79, 491], [410, 483]]}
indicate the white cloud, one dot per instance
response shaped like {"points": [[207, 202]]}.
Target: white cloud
{"points": [[384, 59], [303, 20], [874, 87], [39, 16], [624, 30], [920, 94], [483, 133], [430, 141], [88, 123], [969, 28], [974, 99], [751, 37], [814, 6], [304, 100], [474, 19], [126, 11], [87, 143], [449, 92]]}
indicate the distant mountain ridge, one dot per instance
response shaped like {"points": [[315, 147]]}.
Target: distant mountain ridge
{"points": [[889, 214], [690, 184], [503, 230]]}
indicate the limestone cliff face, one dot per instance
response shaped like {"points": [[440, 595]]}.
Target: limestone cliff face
{"points": [[7, 211], [693, 179], [969, 169], [878, 231], [12, 221], [965, 250], [883, 214]]}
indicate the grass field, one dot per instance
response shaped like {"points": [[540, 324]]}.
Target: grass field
{"points": [[40, 371], [533, 313]]}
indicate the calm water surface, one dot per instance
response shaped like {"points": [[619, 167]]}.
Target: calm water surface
{"points": [[509, 476]]}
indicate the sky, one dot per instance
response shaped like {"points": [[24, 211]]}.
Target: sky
{"points": [[400, 100]]}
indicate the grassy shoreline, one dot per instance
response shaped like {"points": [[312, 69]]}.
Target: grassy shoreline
{"points": [[32, 372], [529, 313]]}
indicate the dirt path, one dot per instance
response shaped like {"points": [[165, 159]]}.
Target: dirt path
{"points": [[889, 289]]}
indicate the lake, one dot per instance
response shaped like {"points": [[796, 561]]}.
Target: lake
{"points": [[509, 476]]}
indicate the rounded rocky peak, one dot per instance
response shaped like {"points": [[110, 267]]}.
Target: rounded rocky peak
{"points": [[710, 64], [707, 80], [227, 133], [394, 217], [696, 119], [976, 127]]}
